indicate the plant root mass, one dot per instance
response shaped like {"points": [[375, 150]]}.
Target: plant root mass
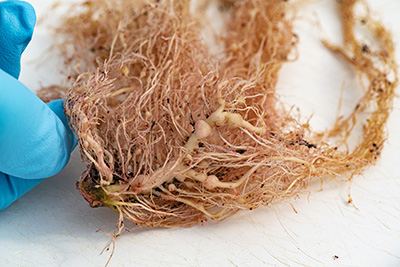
{"points": [[174, 134]]}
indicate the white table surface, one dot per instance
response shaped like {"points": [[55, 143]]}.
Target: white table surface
{"points": [[54, 226]]}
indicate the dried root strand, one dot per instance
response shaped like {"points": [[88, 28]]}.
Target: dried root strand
{"points": [[173, 135]]}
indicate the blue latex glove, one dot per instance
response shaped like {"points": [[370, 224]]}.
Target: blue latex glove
{"points": [[35, 139]]}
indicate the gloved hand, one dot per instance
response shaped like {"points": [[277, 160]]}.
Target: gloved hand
{"points": [[35, 139]]}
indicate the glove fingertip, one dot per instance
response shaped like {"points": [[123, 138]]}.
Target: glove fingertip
{"points": [[28, 15], [19, 19], [23, 15], [57, 106]]}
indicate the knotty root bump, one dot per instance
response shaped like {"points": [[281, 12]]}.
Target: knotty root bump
{"points": [[173, 134]]}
